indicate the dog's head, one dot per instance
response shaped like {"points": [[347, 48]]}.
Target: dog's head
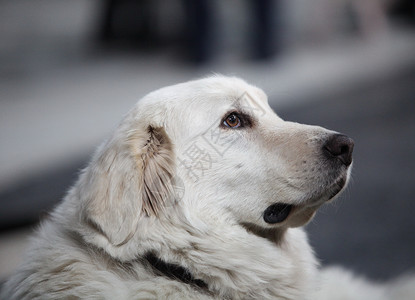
{"points": [[215, 151]]}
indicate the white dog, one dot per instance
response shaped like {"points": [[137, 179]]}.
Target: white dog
{"points": [[199, 194]]}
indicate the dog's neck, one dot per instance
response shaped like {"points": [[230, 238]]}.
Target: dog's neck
{"points": [[235, 261], [230, 260], [274, 235], [180, 273], [174, 271]]}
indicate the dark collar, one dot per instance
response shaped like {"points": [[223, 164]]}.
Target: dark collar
{"points": [[174, 271]]}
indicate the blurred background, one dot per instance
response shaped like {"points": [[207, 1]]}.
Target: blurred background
{"points": [[69, 70]]}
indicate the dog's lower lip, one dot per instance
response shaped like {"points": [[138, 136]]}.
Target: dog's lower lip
{"points": [[338, 187], [277, 213]]}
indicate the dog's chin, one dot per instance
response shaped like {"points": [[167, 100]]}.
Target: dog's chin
{"points": [[294, 215], [280, 216]]}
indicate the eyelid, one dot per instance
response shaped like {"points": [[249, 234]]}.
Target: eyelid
{"points": [[245, 119]]}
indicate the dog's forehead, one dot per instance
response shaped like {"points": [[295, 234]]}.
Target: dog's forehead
{"points": [[214, 90], [231, 89], [221, 93], [201, 102]]}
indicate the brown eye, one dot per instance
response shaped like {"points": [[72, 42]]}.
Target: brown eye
{"points": [[232, 121]]}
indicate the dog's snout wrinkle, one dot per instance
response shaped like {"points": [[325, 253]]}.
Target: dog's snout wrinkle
{"points": [[339, 146]]}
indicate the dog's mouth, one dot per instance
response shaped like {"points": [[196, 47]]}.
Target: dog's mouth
{"points": [[337, 187], [279, 212]]}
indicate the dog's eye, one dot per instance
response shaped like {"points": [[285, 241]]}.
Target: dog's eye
{"points": [[232, 121]]}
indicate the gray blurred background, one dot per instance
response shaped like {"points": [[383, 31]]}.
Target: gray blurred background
{"points": [[69, 70]]}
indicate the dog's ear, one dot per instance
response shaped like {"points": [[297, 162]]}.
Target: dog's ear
{"points": [[154, 161], [129, 179]]}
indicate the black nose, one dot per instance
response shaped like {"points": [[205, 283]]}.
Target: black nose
{"points": [[340, 147]]}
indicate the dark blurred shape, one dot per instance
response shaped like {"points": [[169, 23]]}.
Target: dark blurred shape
{"points": [[28, 201], [266, 38], [136, 23], [200, 29], [404, 10], [129, 20], [203, 32]]}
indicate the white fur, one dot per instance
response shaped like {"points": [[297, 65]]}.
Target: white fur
{"points": [[338, 284], [124, 205]]}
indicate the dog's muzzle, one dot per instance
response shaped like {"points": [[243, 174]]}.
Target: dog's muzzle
{"points": [[337, 149]]}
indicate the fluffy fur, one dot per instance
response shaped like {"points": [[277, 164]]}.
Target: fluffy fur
{"points": [[173, 180]]}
